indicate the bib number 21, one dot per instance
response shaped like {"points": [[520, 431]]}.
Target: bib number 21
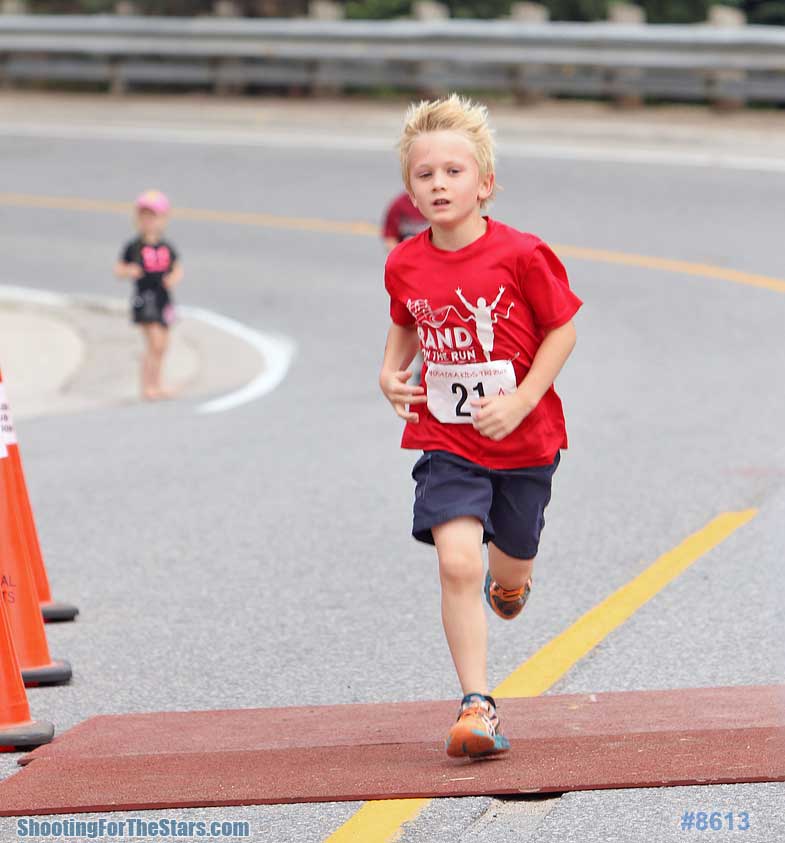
{"points": [[451, 389], [463, 396]]}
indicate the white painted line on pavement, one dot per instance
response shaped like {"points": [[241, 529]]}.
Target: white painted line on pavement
{"points": [[199, 137], [285, 140], [9, 293], [277, 352]]}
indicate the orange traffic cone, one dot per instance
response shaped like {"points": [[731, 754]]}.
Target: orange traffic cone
{"points": [[17, 730], [52, 610], [17, 590]]}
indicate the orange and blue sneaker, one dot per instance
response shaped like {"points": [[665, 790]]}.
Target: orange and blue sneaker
{"points": [[507, 603], [476, 733]]}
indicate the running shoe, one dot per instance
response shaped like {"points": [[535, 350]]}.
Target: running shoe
{"points": [[476, 734], [507, 603]]}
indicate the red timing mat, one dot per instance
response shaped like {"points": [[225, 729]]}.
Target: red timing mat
{"points": [[394, 750]]}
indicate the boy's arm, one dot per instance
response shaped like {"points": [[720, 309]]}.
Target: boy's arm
{"points": [[175, 276], [496, 417], [548, 362], [402, 345]]}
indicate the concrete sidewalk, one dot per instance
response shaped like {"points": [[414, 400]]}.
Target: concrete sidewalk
{"points": [[69, 354]]}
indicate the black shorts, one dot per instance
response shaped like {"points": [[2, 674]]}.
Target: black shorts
{"points": [[150, 307], [510, 503]]}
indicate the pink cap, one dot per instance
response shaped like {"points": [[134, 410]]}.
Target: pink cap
{"points": [[153, 200]]}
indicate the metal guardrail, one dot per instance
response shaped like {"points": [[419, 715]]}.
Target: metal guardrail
{"points": [[695, 62]]}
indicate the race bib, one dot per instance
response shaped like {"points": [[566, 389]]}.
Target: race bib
{"points": [[451, 389]]}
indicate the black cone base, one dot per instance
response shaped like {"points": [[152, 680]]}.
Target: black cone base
{"points": [[56, 673], [56, 612], [30, 734]]}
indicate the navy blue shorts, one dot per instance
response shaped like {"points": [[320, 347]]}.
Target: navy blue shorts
{"points": [[510, 503]]}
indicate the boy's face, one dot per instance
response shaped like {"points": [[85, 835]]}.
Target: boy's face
{"points": [[150, 223], [445, 177]]}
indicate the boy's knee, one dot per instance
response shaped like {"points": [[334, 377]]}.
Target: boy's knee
{"points": [[458, 569]]}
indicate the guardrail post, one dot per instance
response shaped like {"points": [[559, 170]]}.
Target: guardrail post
{"points": [[429, 10], [280, 8], [626, 13], [529, 78], [726, 87], [118, 85], [220, 69], [625, 81], [530, 12], [324, 10], [9, 7], [427, 72], [227, 9], [223, 83]]}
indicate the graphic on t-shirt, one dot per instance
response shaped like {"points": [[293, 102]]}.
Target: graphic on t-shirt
{"points": [[485, 319], [155, 259], [453, 345]]}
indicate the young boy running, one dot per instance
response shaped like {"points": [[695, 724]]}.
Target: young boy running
{"points": [[491, 310]]}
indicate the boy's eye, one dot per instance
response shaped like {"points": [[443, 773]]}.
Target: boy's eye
{"points": [[423, 175], [454, 170]]}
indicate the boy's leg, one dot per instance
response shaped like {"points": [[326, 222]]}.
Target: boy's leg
{"points": [[459, 544], [459, 547], [518, 517], [510, 573], [507, 583]]}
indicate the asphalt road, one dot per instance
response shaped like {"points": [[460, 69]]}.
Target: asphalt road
{"points": [[262, 557]]}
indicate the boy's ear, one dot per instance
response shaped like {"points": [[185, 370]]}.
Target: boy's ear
{"points": [[486, 187]]}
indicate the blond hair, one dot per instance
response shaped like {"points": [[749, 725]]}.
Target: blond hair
{"points": [[450, 114]]}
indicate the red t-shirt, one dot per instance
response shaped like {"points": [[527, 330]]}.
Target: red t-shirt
{"points": [[402, 219], [483, 322]]}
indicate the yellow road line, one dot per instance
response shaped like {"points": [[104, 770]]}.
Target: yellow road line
{"points": [[64, 203], [22, 200], [380, 821], [701, 270], [365, 229], [553, 660]]}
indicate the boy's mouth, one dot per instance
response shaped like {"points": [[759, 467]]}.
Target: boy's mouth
{"points": [[441, 202]]}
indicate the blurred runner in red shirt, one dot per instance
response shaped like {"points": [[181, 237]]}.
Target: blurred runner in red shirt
{"points": [[401, 221]]}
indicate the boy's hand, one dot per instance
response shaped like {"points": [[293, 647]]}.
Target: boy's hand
{"points": [[134, 271], [498, 416], [399, 393]]}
